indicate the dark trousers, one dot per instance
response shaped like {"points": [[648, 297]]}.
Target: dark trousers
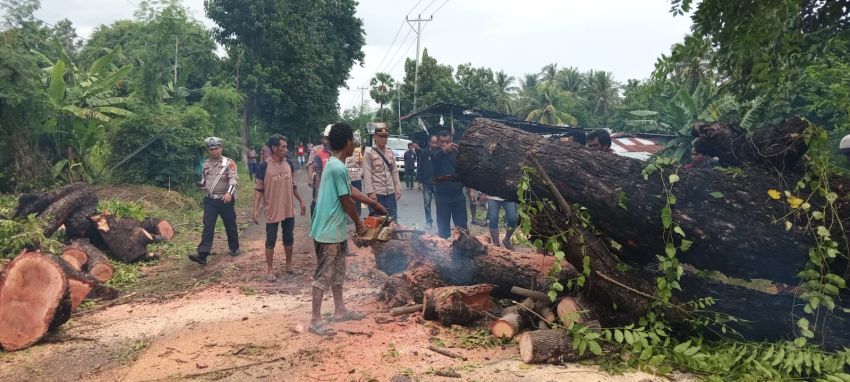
{"points": [[358, 184], [287, 229], [428, 196], [453, 209], [410, 177], [389, 202], [213, 208]]}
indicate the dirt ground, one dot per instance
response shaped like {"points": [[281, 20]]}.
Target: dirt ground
{"points": [[224, 322]]}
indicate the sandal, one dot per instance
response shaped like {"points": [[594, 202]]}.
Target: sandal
{"points": [[349, 316], [321, 329]]}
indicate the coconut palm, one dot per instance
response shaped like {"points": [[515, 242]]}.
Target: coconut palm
{"points": [[547, 106], [382, 86], [505, 86], [549, 72], [602, 93], [570, 79]]}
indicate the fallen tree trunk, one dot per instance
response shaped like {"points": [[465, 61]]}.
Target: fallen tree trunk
{"points": [[124, 239], [457, 305], [735, 231], [37, 202], [82, 202], [98, 265], [34, 299]]}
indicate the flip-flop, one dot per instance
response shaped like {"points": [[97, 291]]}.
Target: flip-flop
{"points": [[321, 329], [350, 316]]}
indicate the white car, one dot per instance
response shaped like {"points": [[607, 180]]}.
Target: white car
{"points": [[399, 146]]}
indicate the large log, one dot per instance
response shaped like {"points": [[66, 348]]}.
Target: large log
{"points": [[81, 202], [546, 346], [98, 265], [37, 202], [34, 299], [159, 227], [409, 287], [780, 146], [124, 239], [737, 233]]}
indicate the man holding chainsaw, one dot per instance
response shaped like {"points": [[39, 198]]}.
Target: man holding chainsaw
{"points": [[218, 181], [334, 202]]}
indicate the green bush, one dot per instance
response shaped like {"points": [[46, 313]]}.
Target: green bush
{"points": [[121, 209], [170, 141]]}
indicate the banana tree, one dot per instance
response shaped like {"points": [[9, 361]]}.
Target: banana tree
{"points": [[704, 104], [85, 102]]}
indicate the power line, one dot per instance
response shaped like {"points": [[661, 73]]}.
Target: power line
{"points": [[403, 57], [391, 46], [440, 7], [400, 45], [414, 7], [426, 8]]}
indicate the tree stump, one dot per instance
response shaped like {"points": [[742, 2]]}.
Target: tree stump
{"points": [[158, 227], [457, 305], [34, 299]]}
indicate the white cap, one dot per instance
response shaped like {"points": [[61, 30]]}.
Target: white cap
{"points": [[844, 146], [327, 131]]}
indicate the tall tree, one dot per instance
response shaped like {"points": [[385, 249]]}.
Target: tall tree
{"points": [[295, 54], [507, 91], [602, 93], [549, 72], [476, 87], [570, 79], [382, 87]]}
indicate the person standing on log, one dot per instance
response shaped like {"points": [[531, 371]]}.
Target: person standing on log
{"points": [[451, 203], [380, 174], [599, 140], [425, 175], [218, 179], [276, 187], [329, 230], [319, 156], [252, 161]]}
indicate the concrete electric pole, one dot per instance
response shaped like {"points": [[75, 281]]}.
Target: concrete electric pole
{"points": [[419, 20]]}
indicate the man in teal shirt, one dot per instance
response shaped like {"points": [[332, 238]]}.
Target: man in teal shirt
{"points": [[334, 202]]}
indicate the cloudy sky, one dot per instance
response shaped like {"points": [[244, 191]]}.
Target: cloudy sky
{"points": [[622, 36]]}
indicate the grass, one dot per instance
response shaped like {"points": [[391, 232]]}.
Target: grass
{"points": [[133, 350]]}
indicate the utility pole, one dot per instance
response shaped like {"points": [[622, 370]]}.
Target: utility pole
{"points": [[363, 126], [419, 20], [399, 110]]}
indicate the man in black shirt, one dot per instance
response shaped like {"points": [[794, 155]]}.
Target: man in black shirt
{"points": [[425, 176], [451, 203]]}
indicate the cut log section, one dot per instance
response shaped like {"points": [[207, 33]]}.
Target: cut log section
{"points": [[158, 227], [409, 287], [569, 311], [98, 265], [80, 284], [83, 202], [75, 256], [508, 326], [34, 299], [457, 305], [546, 346], [124, 239]]}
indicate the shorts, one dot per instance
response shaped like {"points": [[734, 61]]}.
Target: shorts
{"points": [[287, 227], [330, 268]]}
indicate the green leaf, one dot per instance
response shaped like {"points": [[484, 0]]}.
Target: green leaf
{"points": [[671, 199], [666, 217], [646, 354], [630, 339], [618, 335], [679, 230], [823, 231], [800, 341], [552, 295], [686, 245], [670, 250], [673, 178], [818, 215], [621, 200], [557, 286], [594, 347], [56, 90], [716, 194], [680, 348]]}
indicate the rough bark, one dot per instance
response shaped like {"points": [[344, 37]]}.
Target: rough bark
{"points": [[37, 202], [514, 319], [124, 239], [158, 227], [78, 224], [409, 287], [80, 284], [81, 202], [546, 346], [34, 299], [780, 146], [457, 305], [736, 234]]}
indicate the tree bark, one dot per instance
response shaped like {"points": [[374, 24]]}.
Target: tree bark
{"points": [[83, 201], [124, 239], [37, 202], [80, 284], [98, 265], [780, 146], [736, 233], [409, 287], [514, 319], [457, 305], [34, 299], [546, 346]]}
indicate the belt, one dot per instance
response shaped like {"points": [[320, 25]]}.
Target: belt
{"points": [[216, 197]]}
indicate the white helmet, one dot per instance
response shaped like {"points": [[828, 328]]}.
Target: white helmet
{"points": [[844, 146], [327, 131]]}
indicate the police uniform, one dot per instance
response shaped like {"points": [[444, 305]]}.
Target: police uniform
{"points": [[218, 177]]}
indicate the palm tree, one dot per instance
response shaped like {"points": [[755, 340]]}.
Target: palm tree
{"points": [[506, 89], [570, 79], [382, 89], [602, 93], [549, 72], [547, 106]]}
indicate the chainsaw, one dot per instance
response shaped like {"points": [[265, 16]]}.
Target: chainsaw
{"points": [[378, 228]]}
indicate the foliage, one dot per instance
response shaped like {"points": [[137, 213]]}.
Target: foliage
{"points": [[121, 209], [164, 145], [28, 233], [382, 89]]}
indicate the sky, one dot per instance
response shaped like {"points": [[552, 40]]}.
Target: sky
{"points": [[622, 36]]}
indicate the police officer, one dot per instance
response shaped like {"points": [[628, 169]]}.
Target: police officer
{"points": [[218, 181]]}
